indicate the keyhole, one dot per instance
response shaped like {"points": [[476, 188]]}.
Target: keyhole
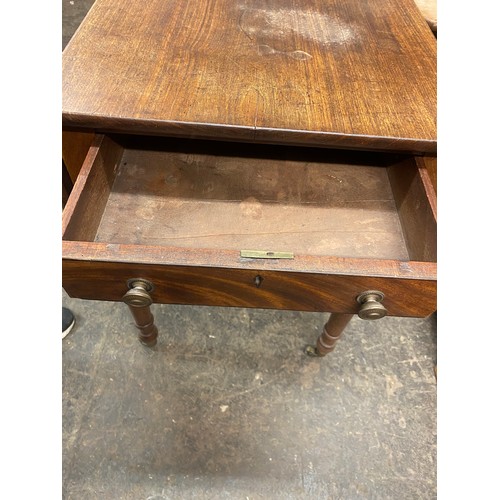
{"points": [[258, 281]]}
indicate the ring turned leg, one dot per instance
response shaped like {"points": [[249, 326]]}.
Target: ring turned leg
{"points": [[139, 301], [332, 331]]}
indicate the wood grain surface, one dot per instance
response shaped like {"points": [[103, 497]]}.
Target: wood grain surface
{"points": [[342, 73], [417, 208], [249, 197], [231, 287], [87, 201], [75, 146], [218, 275]]}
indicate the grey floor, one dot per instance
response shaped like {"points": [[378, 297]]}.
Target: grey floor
{"points": [[228, 406]]}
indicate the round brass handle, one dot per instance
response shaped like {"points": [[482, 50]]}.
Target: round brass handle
{"points": [[138, 295], [371, 306]]}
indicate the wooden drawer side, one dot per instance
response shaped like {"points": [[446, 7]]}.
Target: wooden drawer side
{"points": [[86, 204], [416, 204]]}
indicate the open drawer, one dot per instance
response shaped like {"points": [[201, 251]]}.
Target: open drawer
{"points": [[327, 225]]}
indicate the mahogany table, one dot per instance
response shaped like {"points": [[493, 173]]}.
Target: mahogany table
{"points": [[253, 153]]}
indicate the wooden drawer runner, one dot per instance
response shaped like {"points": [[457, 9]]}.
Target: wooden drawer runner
{"points": [[178, 212]]}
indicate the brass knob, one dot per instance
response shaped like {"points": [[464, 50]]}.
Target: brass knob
{"points": [[371, 307], [138, 295]]}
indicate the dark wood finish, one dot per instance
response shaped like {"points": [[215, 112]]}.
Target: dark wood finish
{"points": [[190, 273], [144, 322], [348, 75], [230, 259], [67, 185], [252, 198], [428, 181], [299, 200], [93, 278], [332, 331], [416, 204], [75, 146], [430, 163], [345, 74], [90, 193]]}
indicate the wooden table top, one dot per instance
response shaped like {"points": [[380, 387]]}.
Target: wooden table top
{"points": [[337, 73]]}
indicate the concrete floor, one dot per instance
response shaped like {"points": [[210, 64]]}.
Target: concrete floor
{"points": [[228, 406]]}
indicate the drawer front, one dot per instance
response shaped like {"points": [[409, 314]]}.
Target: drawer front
{"points": [[258, 288]]}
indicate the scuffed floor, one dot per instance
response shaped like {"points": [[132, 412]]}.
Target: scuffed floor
{"points": [[228, 406]]}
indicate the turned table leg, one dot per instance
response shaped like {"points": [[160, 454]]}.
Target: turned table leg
{"points": [[139, 301], [332, 331], [370, 308]]}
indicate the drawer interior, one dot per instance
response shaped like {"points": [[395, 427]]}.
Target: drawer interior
{"points": [[231, 196]]}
